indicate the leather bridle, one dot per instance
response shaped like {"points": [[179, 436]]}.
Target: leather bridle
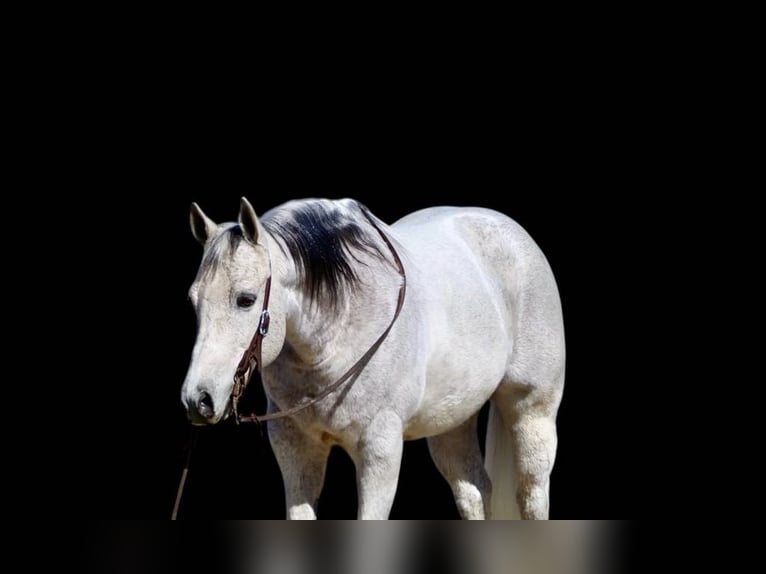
{"points": [[251, 359]]}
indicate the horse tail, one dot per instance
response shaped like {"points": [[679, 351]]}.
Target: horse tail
{"points": [[498, 462]]}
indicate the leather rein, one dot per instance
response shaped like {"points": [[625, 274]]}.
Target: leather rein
{"points": [[251, 359]]}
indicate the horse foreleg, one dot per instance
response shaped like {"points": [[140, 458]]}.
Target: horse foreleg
{"points": [[302, 460], [378, 458]]}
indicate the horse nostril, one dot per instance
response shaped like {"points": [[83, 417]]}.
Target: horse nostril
{"points": [[205, 404]]}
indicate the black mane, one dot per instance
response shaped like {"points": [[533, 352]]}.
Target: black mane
{"points": [[324, 240]]}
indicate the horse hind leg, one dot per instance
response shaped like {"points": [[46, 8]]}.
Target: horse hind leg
{"points": [[535, 440], [530, 418], [529, 395], [457, 456]]}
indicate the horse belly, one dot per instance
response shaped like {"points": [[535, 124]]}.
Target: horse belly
{"points": [[437, 417], [463, 373], [453, 394]]}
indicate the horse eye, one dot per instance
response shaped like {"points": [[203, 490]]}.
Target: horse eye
{"points": [[245, 301]]}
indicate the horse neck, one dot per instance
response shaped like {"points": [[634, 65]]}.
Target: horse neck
{"points": [[328, 337]]}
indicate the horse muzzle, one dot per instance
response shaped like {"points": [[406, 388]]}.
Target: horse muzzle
{"points": [[200, 409]]}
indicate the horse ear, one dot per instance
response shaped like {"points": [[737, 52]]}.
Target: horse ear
{"points": [[248, 221], [202, 227]]}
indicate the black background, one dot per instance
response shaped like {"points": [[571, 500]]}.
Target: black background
{"points": [[564, 179]]}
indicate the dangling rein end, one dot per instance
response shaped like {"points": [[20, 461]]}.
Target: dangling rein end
{"points": [[185, 473]]}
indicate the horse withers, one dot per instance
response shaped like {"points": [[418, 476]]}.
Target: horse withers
{"points": [[481, 321]]}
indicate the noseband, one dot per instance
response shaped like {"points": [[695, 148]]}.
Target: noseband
{"points": [[251, 359]]}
